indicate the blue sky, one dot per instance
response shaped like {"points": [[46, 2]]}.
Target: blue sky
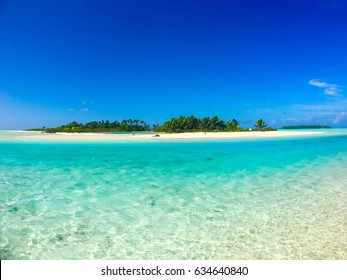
{"points": [[62, 60]]}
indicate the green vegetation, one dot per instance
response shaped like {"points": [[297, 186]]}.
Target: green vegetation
{"points": [[305, 126], [180, 124], [260, 125], [192, 123], [99, 126]]}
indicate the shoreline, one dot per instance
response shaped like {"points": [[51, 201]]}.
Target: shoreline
{"points": [[186, 136]]}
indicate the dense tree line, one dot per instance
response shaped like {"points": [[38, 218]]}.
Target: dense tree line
{"points": [[192, 123], [101, 126], [179, 124], [305, 126]]}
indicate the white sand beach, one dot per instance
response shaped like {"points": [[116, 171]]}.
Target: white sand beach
{"points": [[107, 137]]}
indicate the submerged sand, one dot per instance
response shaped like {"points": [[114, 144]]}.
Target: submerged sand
{"points": [[40, 136]]}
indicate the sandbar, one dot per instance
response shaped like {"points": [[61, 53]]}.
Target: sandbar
{"points": [[153, 137]]}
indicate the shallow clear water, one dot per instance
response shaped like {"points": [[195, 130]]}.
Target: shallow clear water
{"points": [[249, 199]]}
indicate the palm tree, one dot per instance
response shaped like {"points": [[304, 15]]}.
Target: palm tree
{"points": [[205, 124], [232, 125], [217, 123], [260, 125]]}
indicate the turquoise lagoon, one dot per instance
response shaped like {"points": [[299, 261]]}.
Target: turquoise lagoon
{"points": [[235, 199]]}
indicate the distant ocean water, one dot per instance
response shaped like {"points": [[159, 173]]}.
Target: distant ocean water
{"points": [[237, 199]]}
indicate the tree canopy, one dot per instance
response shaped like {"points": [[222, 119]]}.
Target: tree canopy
{"points": [[192, 123], [101, 126], [177, 124], [260, 124], [308, 126]]}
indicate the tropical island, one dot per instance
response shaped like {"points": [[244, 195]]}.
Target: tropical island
{"points": [[174, 125], [305, 126]]}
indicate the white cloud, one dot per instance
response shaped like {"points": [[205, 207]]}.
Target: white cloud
{"points": [[340, 117], [329, 89], [333, 90], [84, 102], [292, 119], [318, 83]]}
